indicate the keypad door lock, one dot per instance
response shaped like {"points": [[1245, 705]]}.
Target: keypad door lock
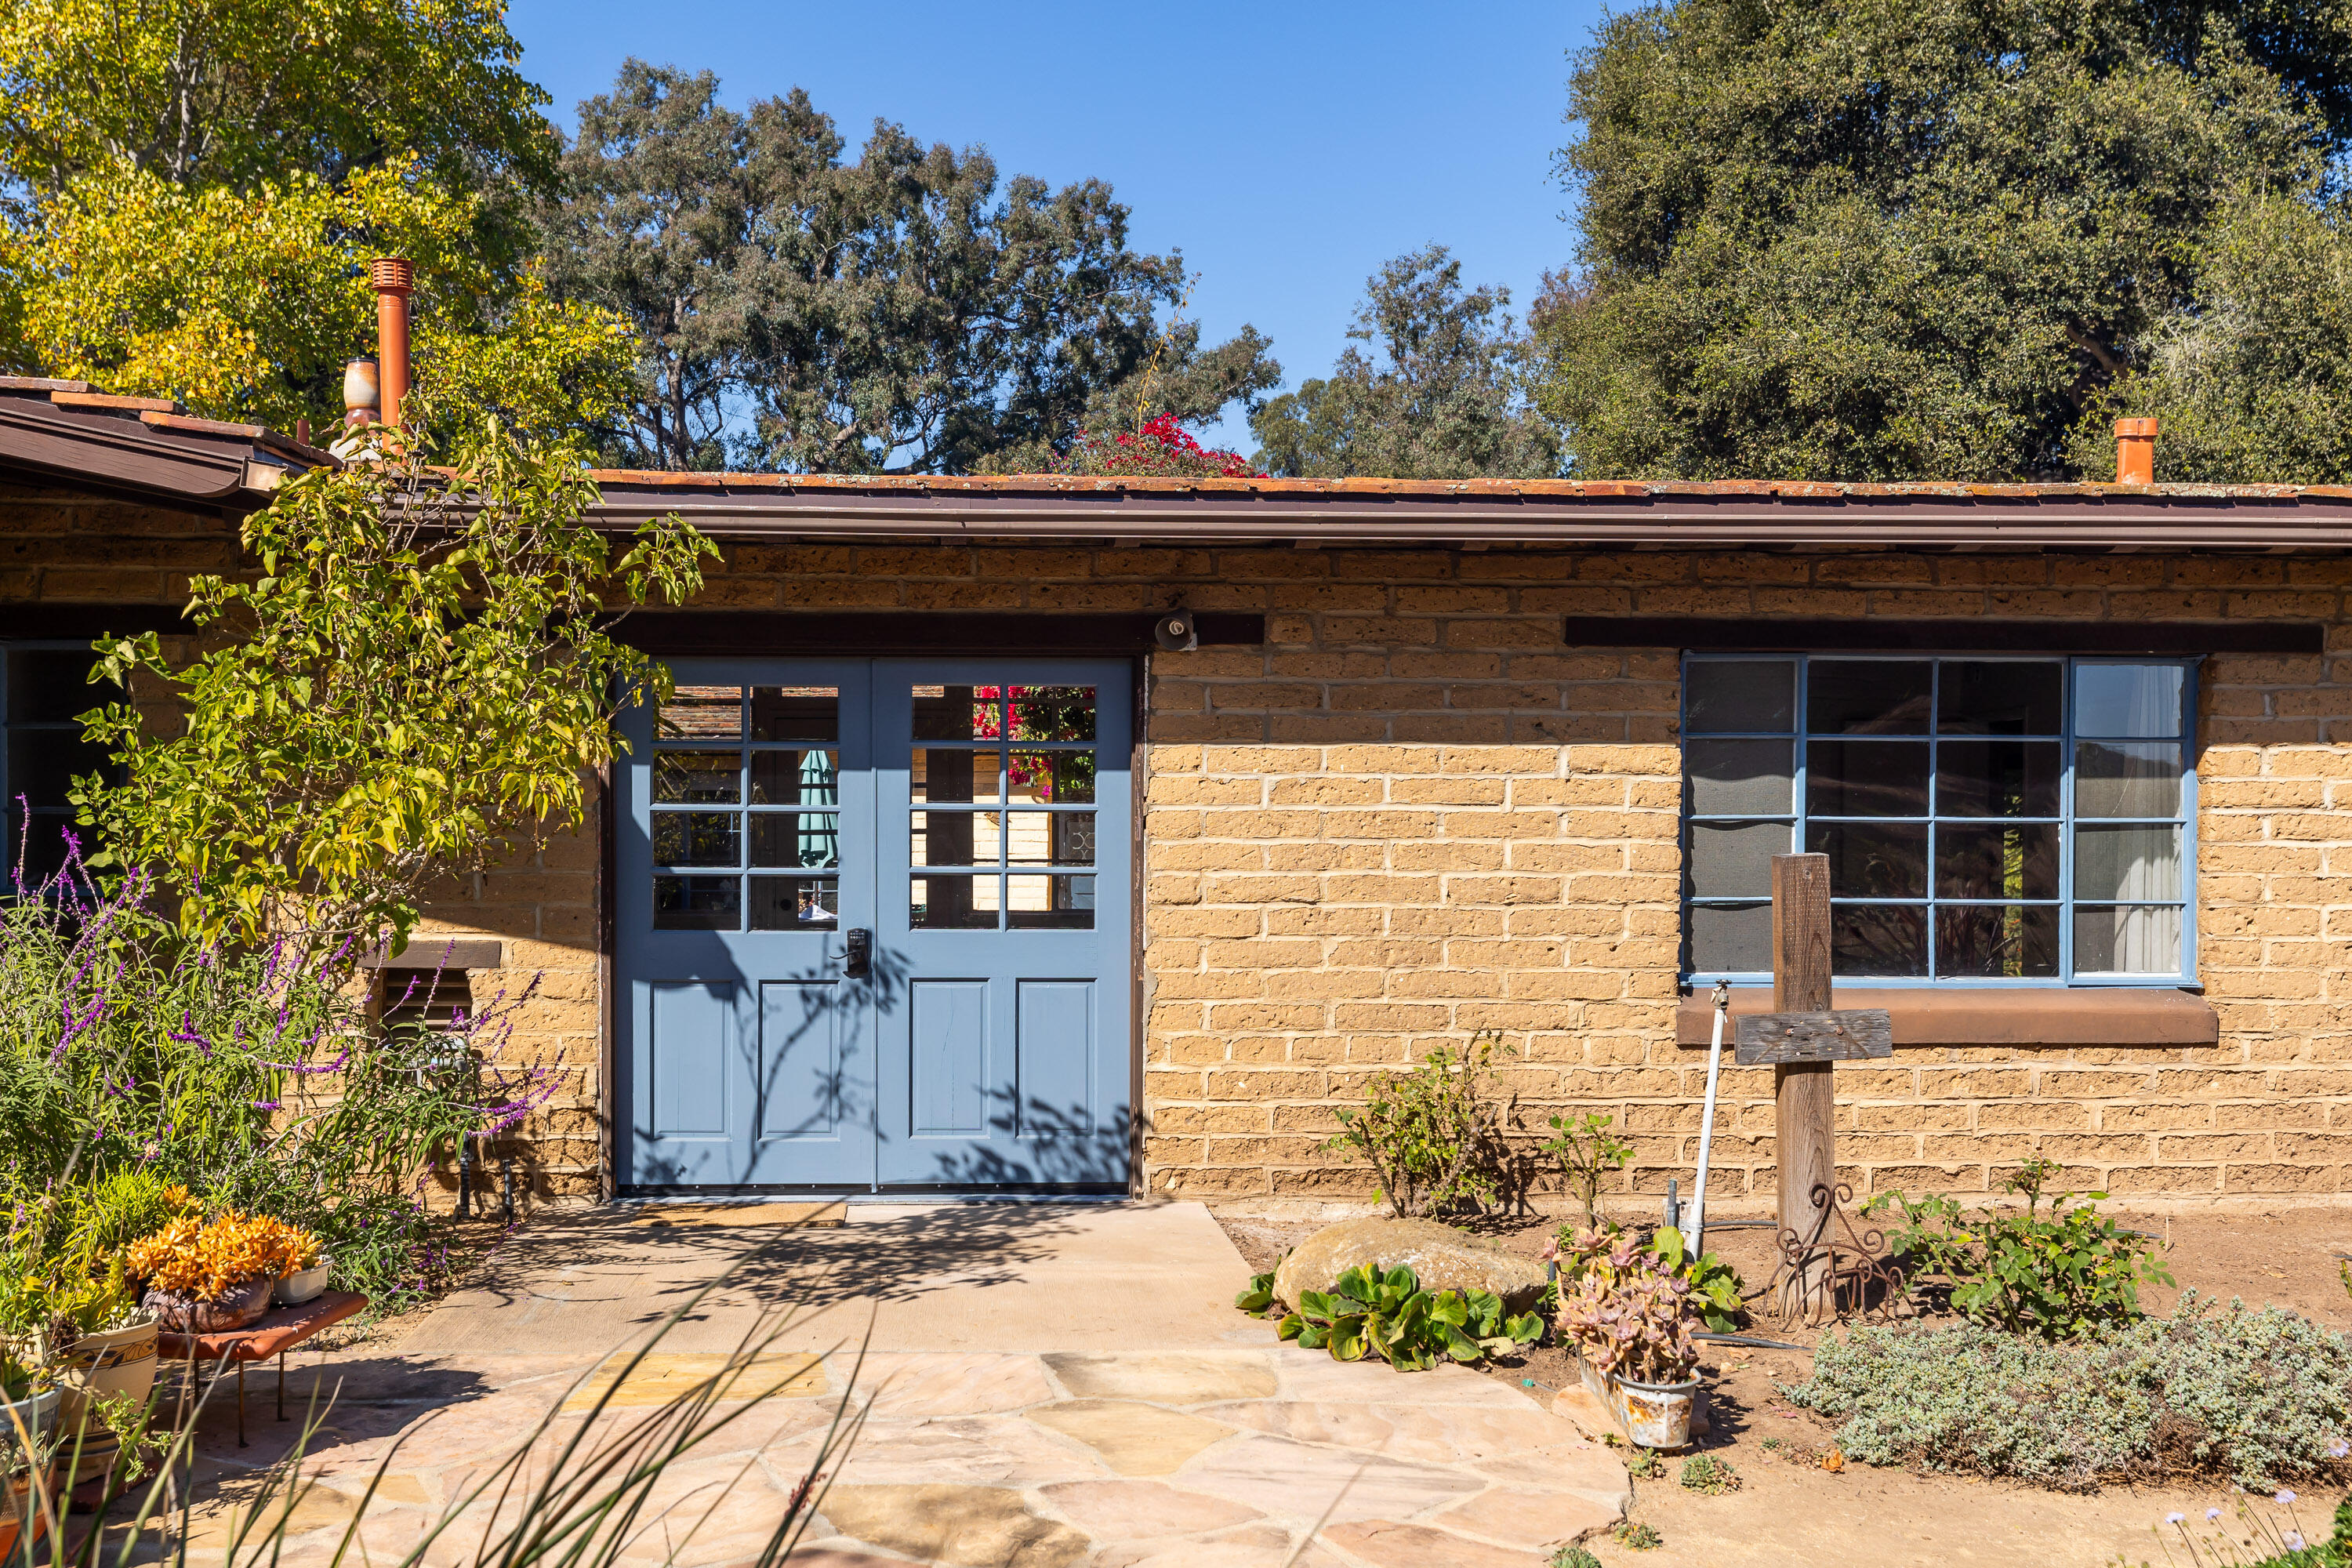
{"points": [[857, 955]]}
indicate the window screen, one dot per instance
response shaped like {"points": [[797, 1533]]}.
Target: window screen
{"points": [[1986, 820]]}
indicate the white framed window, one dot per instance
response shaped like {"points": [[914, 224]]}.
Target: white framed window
{"points": [[1988, 819]]}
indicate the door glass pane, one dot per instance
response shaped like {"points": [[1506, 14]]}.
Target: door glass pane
{"points": [[1058, 838], [1868, 696], [703, 714], [1866, 778], [713, 778], [2006, 942], [953, 903], [1052, 778], [1739, 778], [1883, 940], [954, 775], [1050, 903], [794, 903], [2128, 941], [956, 713], [2123, 778], [795, 713], [1731, 938], [1728, 861], [809, 839], [796, 778], [955, 839], [1997, 778], [1734, 695], [1985, 860], [2004, 697], [1873, 859], [696, 903], [2128, 863], [697, 837], [2128, 700], [1053, 712]]}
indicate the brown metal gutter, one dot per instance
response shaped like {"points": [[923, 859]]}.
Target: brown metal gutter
{"points": [[106, 450], [1874, 517]]}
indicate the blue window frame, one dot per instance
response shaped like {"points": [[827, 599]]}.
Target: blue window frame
{"points": [[1990, 820]]}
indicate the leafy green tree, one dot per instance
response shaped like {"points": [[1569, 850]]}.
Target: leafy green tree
{"points": [[901, 312], [1867, 241], [420, 680], [1441, 402]]}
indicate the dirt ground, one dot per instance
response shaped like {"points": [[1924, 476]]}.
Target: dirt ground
{"points": [[1791, 1510]]}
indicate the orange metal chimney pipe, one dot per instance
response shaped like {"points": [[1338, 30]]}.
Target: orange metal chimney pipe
{"points": [[394, 280], [2135, 451]]}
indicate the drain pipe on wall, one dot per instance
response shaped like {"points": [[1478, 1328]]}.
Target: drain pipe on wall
{"points": [[1694, 1227]]}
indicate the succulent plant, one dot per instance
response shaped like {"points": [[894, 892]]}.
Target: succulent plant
{"points": [[1628, 1312]]}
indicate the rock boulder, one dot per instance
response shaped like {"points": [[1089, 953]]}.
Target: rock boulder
{"points": [[1440, 1258]]}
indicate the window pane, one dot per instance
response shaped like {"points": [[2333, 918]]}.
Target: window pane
{"points": [[2008, 941], [702, 713], [1731, 938], [1053, 778], [2117, 778], [955, 839], [696, 903], [957, 712], [712, 778], [1740, 695], [1739, 778], [696, 837], [1880, 941], [1733, 859], [43, 764], [947, 776], [1866, 778], [809, 839], [1050, 903], [795, 713], [2127, 940], [1986, 861], [1872, 860], [1996, 698], [2127, 699], [1997, 778], [794, 903], [796, 778], [1868, 696], [2127, 863], [953, 903], [50, 685], [1060, 838], [1053, 712]]}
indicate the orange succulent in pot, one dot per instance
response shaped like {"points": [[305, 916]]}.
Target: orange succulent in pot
{"points": [[209, 1276]]}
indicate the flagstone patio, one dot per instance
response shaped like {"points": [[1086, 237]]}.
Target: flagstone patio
{"points": [[1088, 1436]]}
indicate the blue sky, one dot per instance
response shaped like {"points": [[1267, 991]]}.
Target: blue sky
{"points": [[1286, 149]]}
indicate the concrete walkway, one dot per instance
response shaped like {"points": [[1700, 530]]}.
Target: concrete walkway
{"points": [[1041, 1386]]}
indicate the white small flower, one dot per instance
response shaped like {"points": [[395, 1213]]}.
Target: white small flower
{"points": [[2212, 1516], [2174, 1518], [2338, 1447], [2284, 1498], [2294, 1542]]}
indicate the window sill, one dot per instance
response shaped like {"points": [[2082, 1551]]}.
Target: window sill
{"points": [[1997, 1015]]}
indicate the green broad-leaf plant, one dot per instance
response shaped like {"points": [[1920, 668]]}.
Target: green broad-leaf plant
{"points": [[1388, 1315], [416, 680]]}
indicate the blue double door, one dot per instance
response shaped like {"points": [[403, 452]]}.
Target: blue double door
{"points": [[873, 926]]}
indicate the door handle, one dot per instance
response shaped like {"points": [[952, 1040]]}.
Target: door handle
{"points": [[857, 955]]}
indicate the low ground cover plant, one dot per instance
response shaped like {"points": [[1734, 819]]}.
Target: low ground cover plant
{"points": [[2261, 1396], [2057, 1274], [1391, 1316], [1709, 1474]]}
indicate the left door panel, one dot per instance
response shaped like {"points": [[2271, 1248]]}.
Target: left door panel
{"points": [[750, 1055]]}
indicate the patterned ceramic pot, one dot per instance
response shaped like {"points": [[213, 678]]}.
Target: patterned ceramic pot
{"points": [[119, 1364], [232, 1309]]}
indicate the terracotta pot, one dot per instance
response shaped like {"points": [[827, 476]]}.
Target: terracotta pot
{"points": [[232, 1309], [119, 1364], [17, 1504], [303, 1284]]}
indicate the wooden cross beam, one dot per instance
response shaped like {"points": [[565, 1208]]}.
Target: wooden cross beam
{"points": [[1802, 1037]]}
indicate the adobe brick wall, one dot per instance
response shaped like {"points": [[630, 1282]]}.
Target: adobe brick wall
{"points": [[1413, 814]]}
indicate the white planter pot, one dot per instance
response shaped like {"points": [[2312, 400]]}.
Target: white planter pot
{"points": [[117, 1364], [1653, 1415], [32, 1414], [304, 1285]]}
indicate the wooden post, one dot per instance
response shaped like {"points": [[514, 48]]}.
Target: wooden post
{"points": [[1804, 1096]]}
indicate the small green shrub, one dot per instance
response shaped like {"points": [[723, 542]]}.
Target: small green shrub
{"points": [[1709, 1476], [1391, 1316], [2056, 1275], [1428, 1135], [1573, 1557], [1639, 1537], [1715, 1284], [2258, 1396], [1586, 1151]]}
